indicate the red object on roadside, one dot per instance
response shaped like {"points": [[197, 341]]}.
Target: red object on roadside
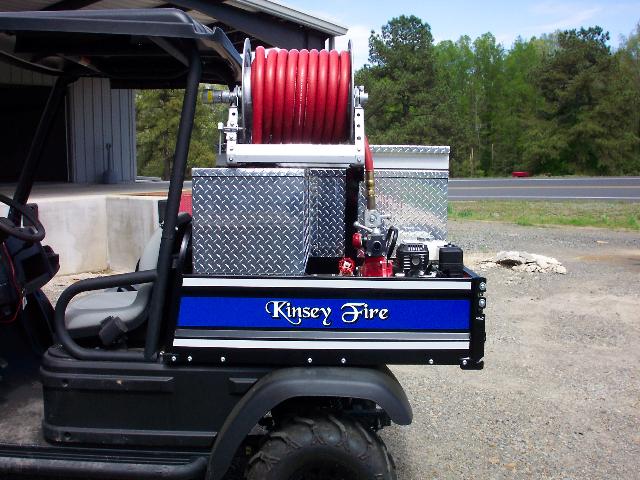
{"points": [[186, 203], [376, 267], [520, 174]]}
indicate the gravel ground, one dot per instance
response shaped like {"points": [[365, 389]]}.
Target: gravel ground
{"points": [[560, 393]]}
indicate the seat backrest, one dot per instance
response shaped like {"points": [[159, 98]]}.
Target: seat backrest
{"points": [[149, 258]]}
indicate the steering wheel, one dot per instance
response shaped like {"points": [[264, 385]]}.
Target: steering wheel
{"points": [[31, 234]]}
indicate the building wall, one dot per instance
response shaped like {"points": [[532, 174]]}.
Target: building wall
{"points": [[99, 116], [96, 116]]}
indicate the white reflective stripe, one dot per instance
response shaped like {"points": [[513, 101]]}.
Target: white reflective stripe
{"points": [[317, 344], [294, 283]]}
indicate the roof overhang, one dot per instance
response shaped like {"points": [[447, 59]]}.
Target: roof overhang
{"points": [[134, 48], [266, 22], [280, 10]]}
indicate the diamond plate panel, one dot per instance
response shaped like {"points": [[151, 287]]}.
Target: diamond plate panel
{"points": [[250, 221], [327, 198], [409, 149], [416, 201]]}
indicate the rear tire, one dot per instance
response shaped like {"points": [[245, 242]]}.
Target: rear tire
{"points": [[322, 447]]}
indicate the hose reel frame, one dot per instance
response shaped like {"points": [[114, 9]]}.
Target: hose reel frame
{"points": [[239, 127]]}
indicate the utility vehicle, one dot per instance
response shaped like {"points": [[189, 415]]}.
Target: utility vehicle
{"points": [[253, 338]]}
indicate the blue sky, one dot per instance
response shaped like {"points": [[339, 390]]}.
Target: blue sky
{"points": [[449, 19]]}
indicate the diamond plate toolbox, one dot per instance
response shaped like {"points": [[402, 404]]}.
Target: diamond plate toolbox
{"points": [[250, 221], [416, 201], [327, 202]]}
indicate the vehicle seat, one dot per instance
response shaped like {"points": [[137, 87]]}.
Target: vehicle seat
{"points": [[86, 315]]}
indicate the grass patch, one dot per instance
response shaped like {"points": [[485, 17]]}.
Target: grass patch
{"points": [[612, 215]]}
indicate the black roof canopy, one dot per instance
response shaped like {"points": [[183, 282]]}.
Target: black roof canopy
{"points": [[270, 23], [133, 47]]}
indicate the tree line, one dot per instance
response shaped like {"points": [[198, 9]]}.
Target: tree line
{"points": [[157, 120], [563, 103]]}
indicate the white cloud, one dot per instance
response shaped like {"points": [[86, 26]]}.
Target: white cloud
{"points": [[562, 15], [359, 36], [576, 19], [547, 17]]}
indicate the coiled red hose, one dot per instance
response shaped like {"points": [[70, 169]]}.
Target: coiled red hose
{"points": [[303, 97], [300, 96]]}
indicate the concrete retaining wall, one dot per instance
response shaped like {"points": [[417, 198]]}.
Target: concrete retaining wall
{"points": [[76, 230], [131, 222], [98, 232]]}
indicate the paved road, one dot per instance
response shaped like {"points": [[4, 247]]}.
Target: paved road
{"points": [[583, 188], [597, 188]]}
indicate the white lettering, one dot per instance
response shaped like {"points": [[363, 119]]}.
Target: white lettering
{"points": [[351, 312], [354, 312], [294, 315]]}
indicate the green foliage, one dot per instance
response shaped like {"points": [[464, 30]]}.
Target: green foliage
{"points": [[400, 79], [563, 103], [613, 215], [157, 120]]}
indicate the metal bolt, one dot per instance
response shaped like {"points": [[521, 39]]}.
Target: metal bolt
{"points": [[189, 358], [464, 362], [222, 359], [173, 358], [309, 360], [431, 361], [482, 286], [482, 302], [343, 360]]}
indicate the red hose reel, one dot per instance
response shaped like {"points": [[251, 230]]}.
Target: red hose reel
{"points": [[300, 96], [307, 98]]}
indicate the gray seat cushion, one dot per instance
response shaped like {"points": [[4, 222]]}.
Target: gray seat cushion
{"points": [[85, 315]]}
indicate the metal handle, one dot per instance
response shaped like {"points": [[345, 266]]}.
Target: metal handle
{"points": [[362, 227]]}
